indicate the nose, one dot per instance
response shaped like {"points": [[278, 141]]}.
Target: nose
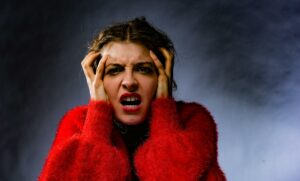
{"points": [[129, 82]]}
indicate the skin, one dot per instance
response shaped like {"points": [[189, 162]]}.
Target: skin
{"points": [[128, 67]]}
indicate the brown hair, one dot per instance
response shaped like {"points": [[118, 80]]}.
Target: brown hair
{"points": [[137, 30]]}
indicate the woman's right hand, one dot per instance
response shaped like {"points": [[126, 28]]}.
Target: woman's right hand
{"points": [[95, 81]]}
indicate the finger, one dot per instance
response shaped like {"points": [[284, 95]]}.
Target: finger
{"points": [[87, 64], [169, 61], [158, 64], [100, 68], [88, 59]]}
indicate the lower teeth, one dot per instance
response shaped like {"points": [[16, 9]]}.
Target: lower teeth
{"points": [[130, 105]]}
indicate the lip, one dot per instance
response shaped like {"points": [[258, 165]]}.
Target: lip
{"points": [[130, 95], [127, 108]]}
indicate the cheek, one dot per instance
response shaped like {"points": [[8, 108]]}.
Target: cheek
{"points": [[105, 84], [154, 86], [151, 87], [110, 86]]}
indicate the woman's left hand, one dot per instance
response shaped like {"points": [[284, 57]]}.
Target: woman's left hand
{"points": [[164, 73]]}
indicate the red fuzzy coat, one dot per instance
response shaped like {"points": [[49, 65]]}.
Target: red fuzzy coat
{"points": [[182, 145]]}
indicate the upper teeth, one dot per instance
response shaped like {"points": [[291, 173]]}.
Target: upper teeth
{"points": [[131, 99]]}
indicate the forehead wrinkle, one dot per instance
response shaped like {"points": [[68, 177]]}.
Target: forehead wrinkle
{"points": [[131, 64], [120, 54], [133, 61]]}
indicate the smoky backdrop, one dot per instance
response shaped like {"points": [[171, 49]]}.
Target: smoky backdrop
{"points": [[238, 58]]}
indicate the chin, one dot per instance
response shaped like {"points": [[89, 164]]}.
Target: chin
{"points": [[131, 120]]}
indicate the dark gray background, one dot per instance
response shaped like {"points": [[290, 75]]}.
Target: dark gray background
{"points": [[238, 58]]}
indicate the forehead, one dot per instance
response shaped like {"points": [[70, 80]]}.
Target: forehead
{"points": [[124, 52]]}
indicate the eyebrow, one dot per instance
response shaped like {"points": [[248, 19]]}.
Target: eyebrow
{"points": [[137, 64], [145, 63]]}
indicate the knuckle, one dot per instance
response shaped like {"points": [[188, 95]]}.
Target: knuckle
{"points": [[160, 66], [164, 78], [96, 84], [89, 82], [85, 66]]}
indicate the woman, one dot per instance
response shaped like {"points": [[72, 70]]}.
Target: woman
{"points": [[132, 128]]}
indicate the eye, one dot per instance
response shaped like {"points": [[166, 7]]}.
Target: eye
{"points": [[114, 70], [144, 69]]}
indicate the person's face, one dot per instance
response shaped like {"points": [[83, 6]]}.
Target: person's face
{"points": [[130, 80]]}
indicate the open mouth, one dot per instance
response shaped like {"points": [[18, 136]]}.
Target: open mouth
{"points": [[131, 102]]}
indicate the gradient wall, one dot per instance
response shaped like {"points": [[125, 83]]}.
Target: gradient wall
{"points": [[238, 58]]}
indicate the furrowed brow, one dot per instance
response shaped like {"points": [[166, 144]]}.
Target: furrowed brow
{"points": [[113, 64], [145, 63]]}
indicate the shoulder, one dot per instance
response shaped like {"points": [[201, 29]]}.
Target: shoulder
{"points": [[77, 111], [74, 117], [191, 107], [70, 124], [193, 114]]}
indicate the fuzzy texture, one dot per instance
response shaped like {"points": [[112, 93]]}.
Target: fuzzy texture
{"points": [[182, 145]]}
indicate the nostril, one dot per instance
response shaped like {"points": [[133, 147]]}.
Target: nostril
{"points": [[130, 85]]}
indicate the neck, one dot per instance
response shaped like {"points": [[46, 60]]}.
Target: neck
{"points": [[133, 135]]}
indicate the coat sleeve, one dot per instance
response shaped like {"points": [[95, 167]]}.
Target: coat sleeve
{"points": [[82, 149], [214, 173], [181, 146]]}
